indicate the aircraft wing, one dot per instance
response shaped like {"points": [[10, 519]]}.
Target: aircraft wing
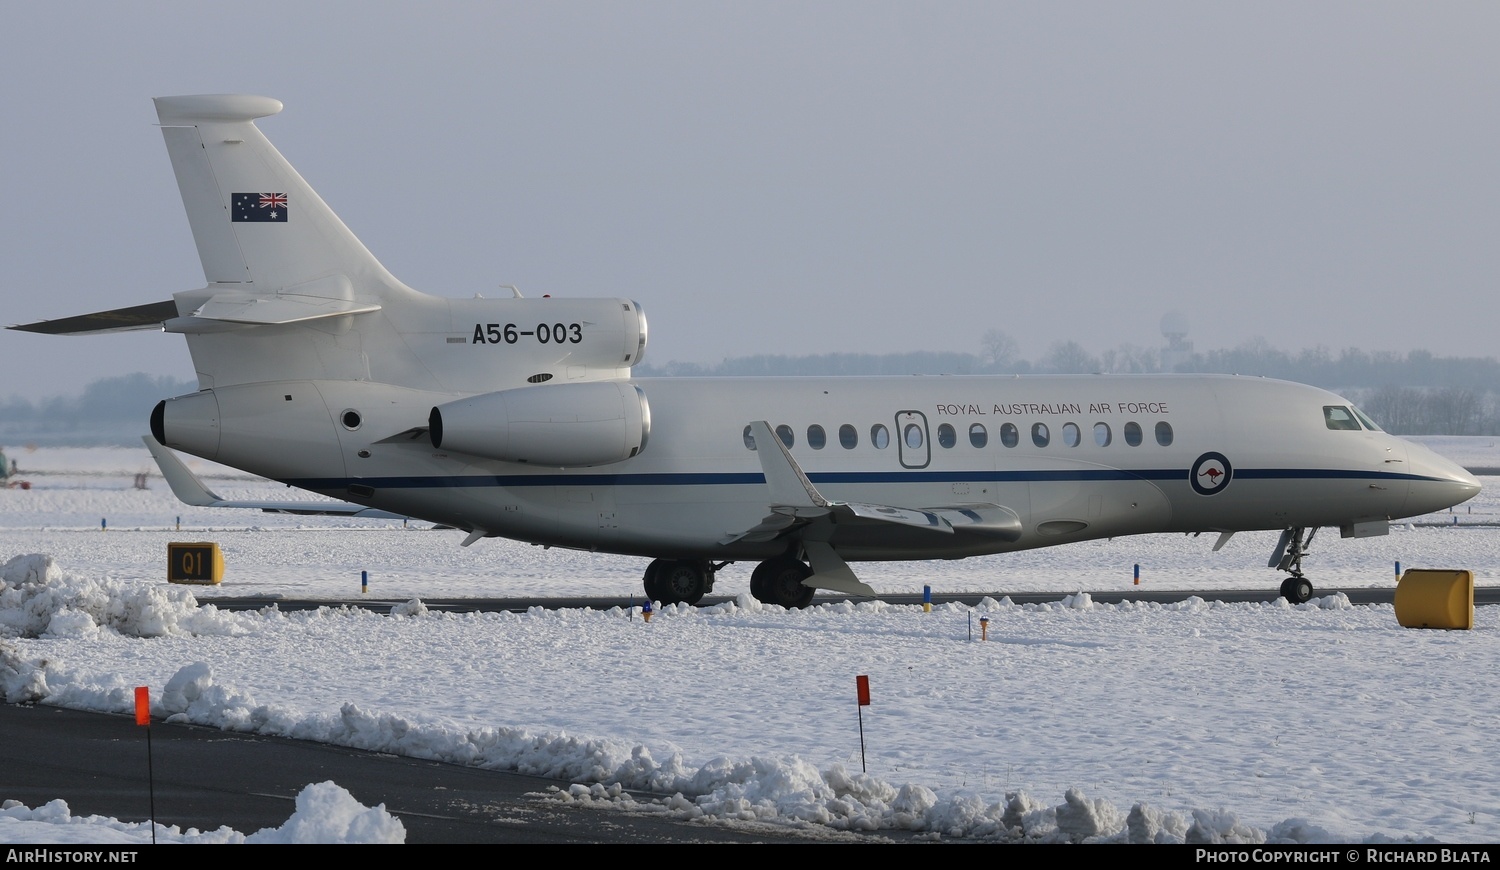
{"points": [[190, 490], [798, 510]]}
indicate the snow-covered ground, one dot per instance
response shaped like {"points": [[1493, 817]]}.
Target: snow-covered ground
{"points": [[1074, 719], [325, 813]]}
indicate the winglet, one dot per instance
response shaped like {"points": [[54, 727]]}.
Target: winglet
{"points": [[191, 491], [185, 485], [789, 485]]}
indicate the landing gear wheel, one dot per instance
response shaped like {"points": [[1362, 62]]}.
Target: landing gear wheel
{"points": [[1288, 556], [779, 581], [758, 579], [1298, 590], [652, 581], [683, 581]]}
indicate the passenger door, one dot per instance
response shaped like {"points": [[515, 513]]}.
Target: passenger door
{"points": [[912, 443]]}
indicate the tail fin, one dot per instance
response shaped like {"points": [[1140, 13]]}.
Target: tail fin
{"points": [[258, 225]]}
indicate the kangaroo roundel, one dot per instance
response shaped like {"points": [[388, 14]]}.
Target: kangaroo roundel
{"points": [[1211, 474]]}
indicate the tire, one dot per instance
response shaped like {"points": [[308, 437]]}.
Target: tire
{"points": [[652, 581], [780, 582], [1301, 590], [758, 584], [682, 581]]}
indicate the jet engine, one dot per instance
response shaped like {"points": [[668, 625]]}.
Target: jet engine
{"points": [[564, 425]]}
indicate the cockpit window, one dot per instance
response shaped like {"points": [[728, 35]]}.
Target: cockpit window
{"points": [[1339, 417], [1365, 419]]}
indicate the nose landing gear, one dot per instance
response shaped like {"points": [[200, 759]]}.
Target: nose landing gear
{"points": [[1288, 557]]}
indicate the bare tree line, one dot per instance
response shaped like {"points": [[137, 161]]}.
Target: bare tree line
{"points": [[1414, 393]]}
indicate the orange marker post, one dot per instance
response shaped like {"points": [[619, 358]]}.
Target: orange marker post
{"points": [[862, 690], [143, 717], [984, 628]]}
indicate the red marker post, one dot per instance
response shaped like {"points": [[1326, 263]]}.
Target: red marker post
{"points": [[143, 717], [862, 689]]}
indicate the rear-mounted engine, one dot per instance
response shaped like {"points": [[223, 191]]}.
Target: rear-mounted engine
{"points": [[563, 425]]}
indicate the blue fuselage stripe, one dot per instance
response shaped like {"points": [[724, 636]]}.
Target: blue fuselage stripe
{"points": [[327, 484]]}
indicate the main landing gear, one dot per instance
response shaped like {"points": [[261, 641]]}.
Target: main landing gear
{"points": [[779, 581], [1288, 557], [686, 581], [679, 581]]}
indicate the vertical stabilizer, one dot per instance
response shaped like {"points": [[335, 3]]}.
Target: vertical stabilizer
{"points": [[257, 223]]}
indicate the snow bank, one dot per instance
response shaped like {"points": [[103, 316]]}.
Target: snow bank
{"points": [[767, 790], [326, 813], [37, 599]]}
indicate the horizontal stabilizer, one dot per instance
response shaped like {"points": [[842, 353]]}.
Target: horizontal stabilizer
{"points": [[150, 316], [191, 491], [250, 308]]}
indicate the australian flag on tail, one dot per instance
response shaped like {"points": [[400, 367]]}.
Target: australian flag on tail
{"points": [[263, 207]]}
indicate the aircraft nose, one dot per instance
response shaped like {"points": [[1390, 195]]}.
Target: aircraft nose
{"points": [[1437, 483]]}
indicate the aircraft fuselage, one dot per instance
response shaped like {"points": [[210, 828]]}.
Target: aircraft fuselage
{"points": [[1075, 457]]}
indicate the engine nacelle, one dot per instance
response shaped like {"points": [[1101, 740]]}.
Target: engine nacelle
{"points": [[564, 425], [280, 430]]}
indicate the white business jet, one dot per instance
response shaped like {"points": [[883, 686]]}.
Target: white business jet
{"points": [[519, 417]]}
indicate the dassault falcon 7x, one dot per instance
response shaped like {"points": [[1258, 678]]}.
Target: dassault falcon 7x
{"points": [[519, 417]]}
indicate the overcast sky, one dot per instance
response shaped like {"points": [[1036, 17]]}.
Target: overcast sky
{"points": [[797, 177]]}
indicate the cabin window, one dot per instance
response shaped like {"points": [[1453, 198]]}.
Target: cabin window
{"points": [[1010, 436], [1339, 417], [1133, 434], [1040, 435], [816, 438], [749, 439], [913, 435], [848, 437], [947, 437], [1071, 435], [1164, 433], [1102, 435], [978, 436], [880, 436], [784, 432]]}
